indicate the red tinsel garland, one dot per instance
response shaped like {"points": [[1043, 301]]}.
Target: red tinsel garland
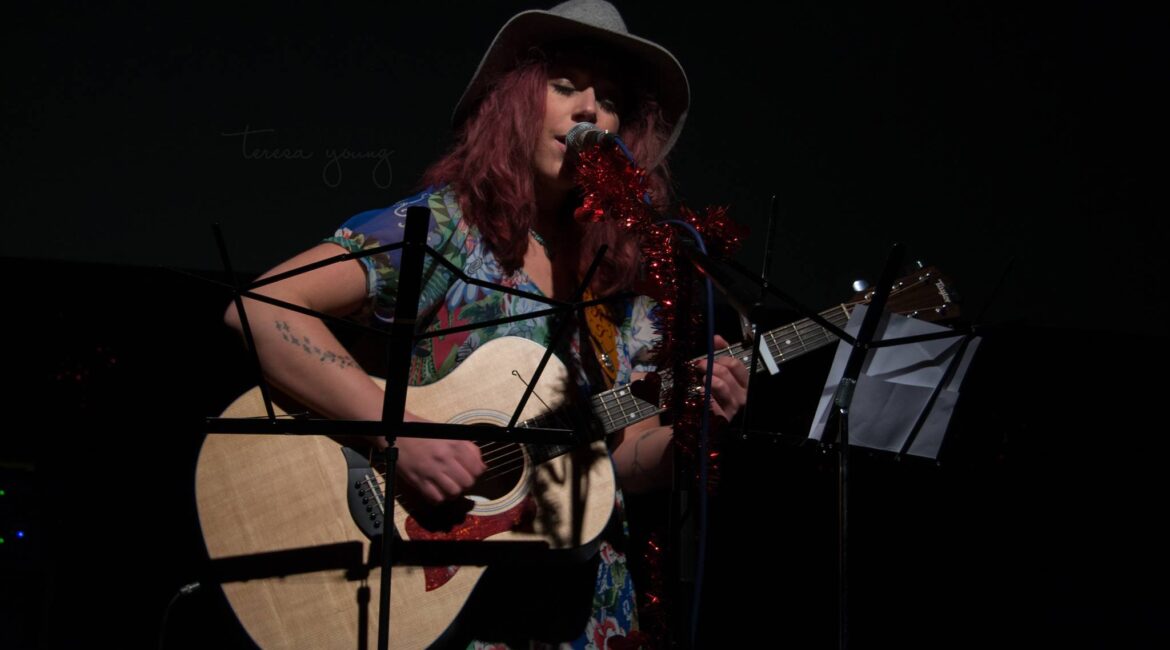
{"points": [[614, 189]]}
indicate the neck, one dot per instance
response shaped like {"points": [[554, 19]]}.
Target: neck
{"points": [[551, 215], [549, 202]]}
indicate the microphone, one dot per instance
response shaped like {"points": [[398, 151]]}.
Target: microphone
{"points": [[584, 135]]}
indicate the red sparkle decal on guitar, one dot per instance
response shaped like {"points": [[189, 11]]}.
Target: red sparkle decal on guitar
{"points": [[474, 528]]}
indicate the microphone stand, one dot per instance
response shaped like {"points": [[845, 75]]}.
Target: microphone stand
{"points": [[749, 308]]}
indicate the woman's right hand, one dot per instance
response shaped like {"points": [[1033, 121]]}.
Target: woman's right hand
{"points": [[439, 470]]}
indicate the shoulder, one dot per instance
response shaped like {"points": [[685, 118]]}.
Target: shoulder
{"points": [[388, 225], [441, 200]]}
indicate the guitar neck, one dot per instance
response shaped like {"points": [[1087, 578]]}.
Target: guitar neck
{"points": [[619, 408], [793, 340], [922, 294]]}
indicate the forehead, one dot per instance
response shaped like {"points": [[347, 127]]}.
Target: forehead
{"points": [[593, 62], [582, 76]]}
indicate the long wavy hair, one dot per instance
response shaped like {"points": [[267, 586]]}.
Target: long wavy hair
{"points": [[491, 169]]}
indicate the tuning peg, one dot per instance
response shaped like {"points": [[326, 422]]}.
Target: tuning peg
{"points": [[860, 285], [745, 327], [918, 265]]}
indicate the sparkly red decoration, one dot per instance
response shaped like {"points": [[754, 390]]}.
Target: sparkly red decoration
{"points": [[635, 641], [616, 190], [652, 611], [473, 528]]}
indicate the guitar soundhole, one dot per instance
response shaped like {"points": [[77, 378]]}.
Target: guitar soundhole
{"points": [[505, 470]]}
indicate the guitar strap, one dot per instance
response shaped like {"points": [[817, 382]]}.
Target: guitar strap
{"points": [[602, 341]]}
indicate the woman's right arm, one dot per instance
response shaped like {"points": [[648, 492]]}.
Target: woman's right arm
{"points": [[298, 353], [301, 357]]}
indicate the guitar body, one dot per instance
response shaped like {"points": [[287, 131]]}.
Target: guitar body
{"points": [[263, 494]]}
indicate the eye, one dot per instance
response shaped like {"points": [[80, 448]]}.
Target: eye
{"points": [[562, 88], [609, 105]]}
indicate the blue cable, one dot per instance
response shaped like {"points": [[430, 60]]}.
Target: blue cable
{"points": [[622, 145]]}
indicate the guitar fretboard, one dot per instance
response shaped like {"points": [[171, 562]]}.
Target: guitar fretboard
{"points": [[923, 294], [619, 407]]}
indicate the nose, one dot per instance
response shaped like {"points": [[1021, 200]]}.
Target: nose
{"points": [[585, 109]]}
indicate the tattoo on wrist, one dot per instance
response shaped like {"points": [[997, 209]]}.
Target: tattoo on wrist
{"points": [[304, 343]]}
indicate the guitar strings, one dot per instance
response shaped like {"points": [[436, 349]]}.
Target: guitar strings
{"points": [[503, 457], [499, 471], [513, 455], [809, 335], [806, 330], [510, 456], [506, 451]]}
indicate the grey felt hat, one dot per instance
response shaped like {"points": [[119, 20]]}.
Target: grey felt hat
{"points": [[593, 20]]}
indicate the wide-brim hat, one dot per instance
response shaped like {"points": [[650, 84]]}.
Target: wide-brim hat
{"points": [[588, 20]]}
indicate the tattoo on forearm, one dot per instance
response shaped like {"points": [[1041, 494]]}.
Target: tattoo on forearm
{"points": [[324, 356]]}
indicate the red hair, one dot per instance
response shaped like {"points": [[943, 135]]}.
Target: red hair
{"points": [[493, 175]]}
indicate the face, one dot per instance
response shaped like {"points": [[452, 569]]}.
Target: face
{"points": [[574, 94]]}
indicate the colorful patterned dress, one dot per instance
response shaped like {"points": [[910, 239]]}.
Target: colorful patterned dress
{"points": [[448, 301]]}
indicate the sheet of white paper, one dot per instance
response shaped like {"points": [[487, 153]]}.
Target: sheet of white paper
{"points": [[895, 385]]}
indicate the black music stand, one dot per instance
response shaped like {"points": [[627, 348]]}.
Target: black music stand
{"points": [[860, 351], [401, 342], [728, 274], [905, 393]]}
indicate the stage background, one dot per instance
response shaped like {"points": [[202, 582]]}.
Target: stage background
{"points": [[975, 134]]}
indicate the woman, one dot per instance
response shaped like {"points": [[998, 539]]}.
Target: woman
{"points": [[501, 209]]}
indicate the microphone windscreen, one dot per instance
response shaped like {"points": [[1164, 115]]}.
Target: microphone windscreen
{"points": [[575, 138]]}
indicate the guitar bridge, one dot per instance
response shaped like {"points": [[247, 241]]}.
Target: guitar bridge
{"points": [[367, 503]]}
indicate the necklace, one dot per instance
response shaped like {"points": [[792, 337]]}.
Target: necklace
{"points": [[543, 244]]}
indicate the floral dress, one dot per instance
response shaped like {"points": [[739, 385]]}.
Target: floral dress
{"points": [[447, 301]]}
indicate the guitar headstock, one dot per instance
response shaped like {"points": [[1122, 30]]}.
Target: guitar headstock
{"points": [[926, 294]]}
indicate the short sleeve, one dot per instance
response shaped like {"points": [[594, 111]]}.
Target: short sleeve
{"points": [[375, 228], [640, 334]]}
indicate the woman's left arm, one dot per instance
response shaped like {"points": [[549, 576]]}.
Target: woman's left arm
{"points": [[641, 452]]}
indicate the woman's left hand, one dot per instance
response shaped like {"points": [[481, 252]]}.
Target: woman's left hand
{"points": [[728, 383]]}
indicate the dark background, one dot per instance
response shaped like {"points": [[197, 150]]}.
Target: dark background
{"points": [[975, 134]]}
